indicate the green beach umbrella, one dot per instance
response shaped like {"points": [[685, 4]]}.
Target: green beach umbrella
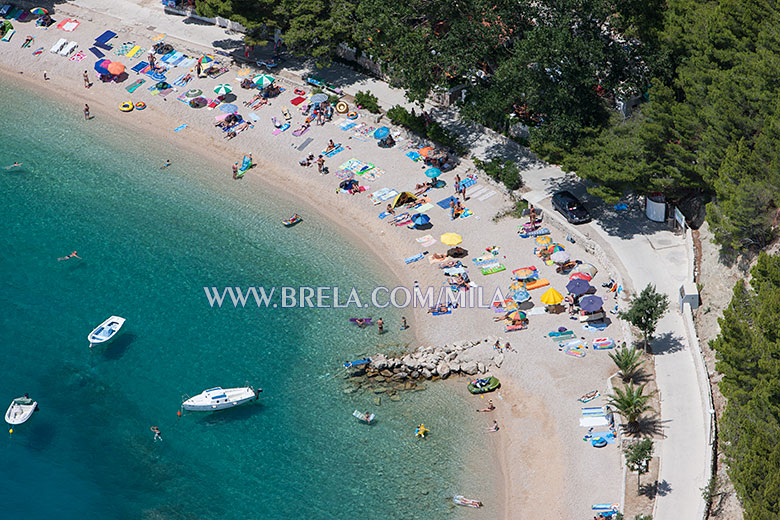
{"points": [[193, 93], [224, 88], [263, 80]]}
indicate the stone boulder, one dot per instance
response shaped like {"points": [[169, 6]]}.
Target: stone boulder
{"points": [[400, 375], [481, 367], [426, 373], [443, 369], [379, 361], [385, 373], [451, 356], [469, 367]]}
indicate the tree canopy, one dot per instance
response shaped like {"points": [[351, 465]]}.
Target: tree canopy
{"points": [[748, 353]]}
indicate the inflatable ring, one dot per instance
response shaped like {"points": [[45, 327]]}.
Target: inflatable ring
{"points": [[126, 106], [140, 105], [352, 115], [300, 91], [342, 107]]}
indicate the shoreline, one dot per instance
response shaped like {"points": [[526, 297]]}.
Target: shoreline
{"points": [[529, 456]]}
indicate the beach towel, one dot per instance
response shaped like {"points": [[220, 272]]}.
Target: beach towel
{"points": [[510, 328], [24, 16], [96, 52], [333, 152], [104, 46], [493, 269], [561, 336], [347, 126], [603, 343], [378, 193], [4, 10], [373, 174], [8, 35], [445, 204], [388, 195], [78, 56], [468, 182], [131, 88], [415, 258], [105, 37], [300, 131], [182, 127], [414, 155], [186, 63], [132, 52], [158, 37], [589, 396], [298, 100], [536, 233], [426, 240], [536, 311], [38, 51], [594, 327], [123, 49], [70, 25], [449, 311], [536, 284], [423, 208], [281, 129]]}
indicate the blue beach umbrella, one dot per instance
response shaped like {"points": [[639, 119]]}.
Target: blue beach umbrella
{"points": [[432, 172], [578, 287], [591, 303], [102, 66], [381, 133], [420, 219]]}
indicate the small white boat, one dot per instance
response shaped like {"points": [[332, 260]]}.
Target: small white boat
{"points": [[365, 417], [468, 502], [20, 410], [106, 331], [219, 398]]}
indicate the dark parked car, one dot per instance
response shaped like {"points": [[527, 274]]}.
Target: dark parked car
{"points": [[570, 207]]}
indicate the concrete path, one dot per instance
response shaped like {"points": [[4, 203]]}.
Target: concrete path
{"points": [[650, 253]]}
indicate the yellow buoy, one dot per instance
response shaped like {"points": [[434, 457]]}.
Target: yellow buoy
{"points": [[11, 430]]}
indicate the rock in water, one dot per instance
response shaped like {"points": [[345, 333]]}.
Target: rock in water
{"points": [[377, 401]]}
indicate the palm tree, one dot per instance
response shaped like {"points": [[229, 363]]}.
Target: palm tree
{"points": [[628, 361], [630, 403]]}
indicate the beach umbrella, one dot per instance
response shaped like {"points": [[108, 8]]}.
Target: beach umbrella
{"points": [[223, 88], [162, 85], [39, 11], [193, 92], [588, 269], [578, 287], [451, 239], [426, 151], [516, 286], [228, 108], [420, 219], [554, 248], [552, 297], [581, 276], [516, 315], [525, 274], [100, 66], [521, 295], [432, 172], [381, 132], [457, 252], [591, 303], [560, 257], [199, 102], [319, 98], [263, 80], [543, 240], [347, 184], [115, 68]]}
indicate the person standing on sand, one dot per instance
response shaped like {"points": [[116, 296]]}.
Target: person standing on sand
{"points": [[86, 112], [320, 163], [380, 325], [86, 80], [404, 326], [45, 76], [235, 170]]}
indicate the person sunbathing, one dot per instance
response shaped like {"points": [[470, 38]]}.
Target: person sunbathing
{"points": [[230, 135], [243, 126], [490, 407], [255, 98], [439, 309], [331, 146], [494, 428]]}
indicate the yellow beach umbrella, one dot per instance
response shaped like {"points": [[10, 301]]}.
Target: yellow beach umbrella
{"points": [[543, 240], [552, 297], [451, 239]]}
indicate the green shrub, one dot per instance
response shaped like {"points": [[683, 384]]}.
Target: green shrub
{"points": [[398, 115], [368, 101], [505, 172]]}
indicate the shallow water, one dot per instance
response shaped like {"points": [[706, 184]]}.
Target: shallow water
{"points": [[150, 241]]}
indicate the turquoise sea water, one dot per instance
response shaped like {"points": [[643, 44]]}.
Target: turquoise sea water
{"points": [[151, 240]]}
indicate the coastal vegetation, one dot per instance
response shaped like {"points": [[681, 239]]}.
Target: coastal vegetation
{"points": [[368, 101], [645, 310], [748, 348], [501, 170], [638, 455], [631, 403], [628, 360]]}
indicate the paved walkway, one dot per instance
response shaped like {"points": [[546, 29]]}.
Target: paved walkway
{"points": [[649, 253], [645, 252]]}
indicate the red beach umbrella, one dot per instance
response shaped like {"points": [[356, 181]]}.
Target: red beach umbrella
{"points": [[116, 68], [581, 276]]}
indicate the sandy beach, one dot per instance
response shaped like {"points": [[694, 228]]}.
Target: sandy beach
{"points": [[544, 463]]}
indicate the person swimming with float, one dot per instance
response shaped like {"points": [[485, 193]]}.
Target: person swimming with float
{"points": [[72, 255]]}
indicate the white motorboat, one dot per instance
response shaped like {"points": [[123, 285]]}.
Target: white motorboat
{"points": [[20, 410], [219, 398], [106, 331]]}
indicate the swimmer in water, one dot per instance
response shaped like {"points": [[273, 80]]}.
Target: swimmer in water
{"points": [[167, 163], [72, 255], [157, 436], [14, 165]]}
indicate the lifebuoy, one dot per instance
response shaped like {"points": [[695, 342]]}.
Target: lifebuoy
{"points": [[126, 106], [140, 105], [352, 115], [342, 107]]}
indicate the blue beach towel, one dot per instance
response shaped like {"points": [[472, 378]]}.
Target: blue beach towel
{"points": [[103, 46], [139, 66], [348, 126], [418, 256], [593, 327], [442, 313], [383, 215], [468, 182], [334, 151], [103, 38], [413, 155], [445, 204], [96, 52], [182, 127]]}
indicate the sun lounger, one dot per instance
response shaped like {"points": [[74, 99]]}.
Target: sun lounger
{"points": [[57, 47], [105, 37], [103, 46], [561, 336], [8, 35], [536, 284], [4, 10], [68, 49]]}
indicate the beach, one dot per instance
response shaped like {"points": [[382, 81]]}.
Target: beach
{"points": [[543, 461]]}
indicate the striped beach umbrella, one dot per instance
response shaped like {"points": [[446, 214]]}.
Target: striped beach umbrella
{"points": [[263, 80], [39, 11], [223, 88]]}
